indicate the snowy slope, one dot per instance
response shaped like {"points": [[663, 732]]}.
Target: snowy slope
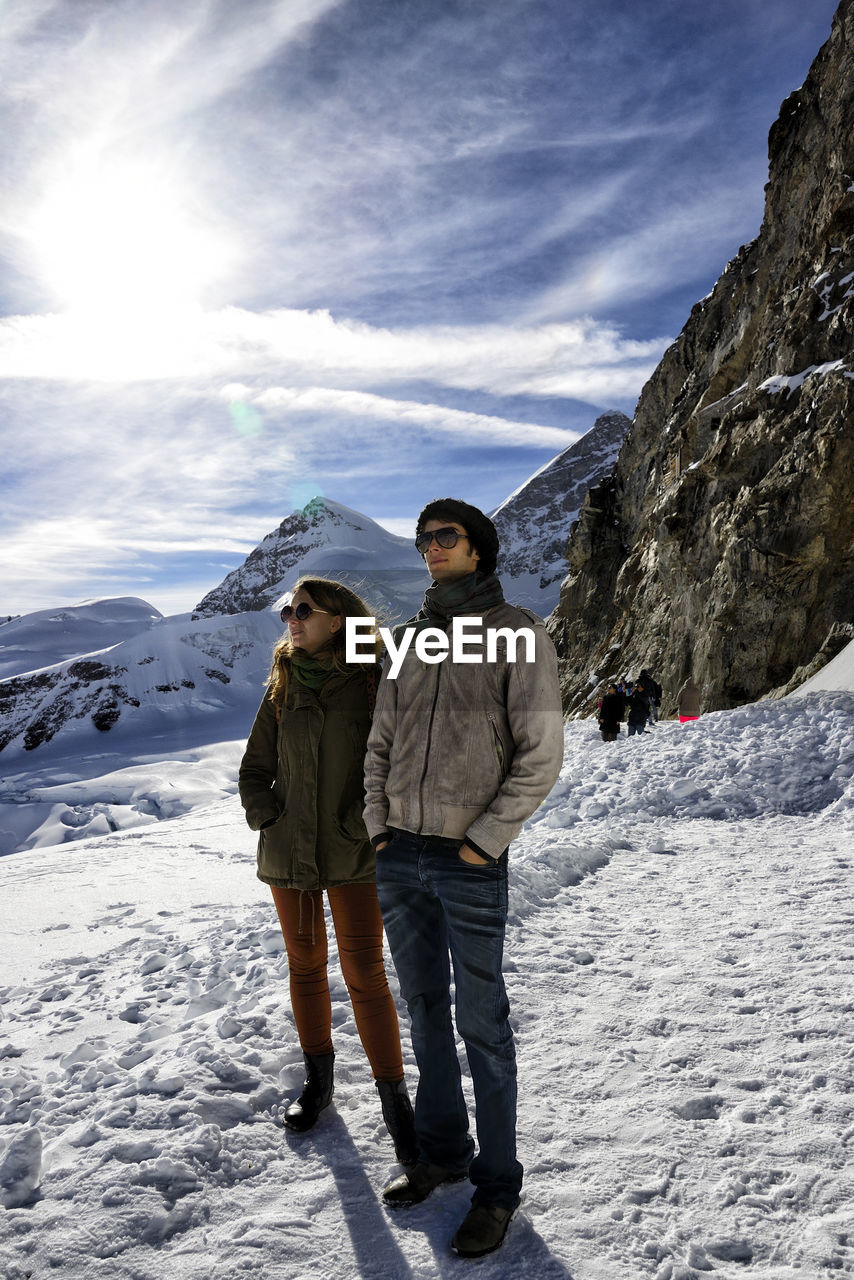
{"points": [[679, 966], [837, 674], [78, 737], [534, 521], [48, 636], [114, 676], [179, 680]]}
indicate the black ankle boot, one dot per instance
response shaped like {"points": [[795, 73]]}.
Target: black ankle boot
{"points": [[316, 1092], [399, 1120]]}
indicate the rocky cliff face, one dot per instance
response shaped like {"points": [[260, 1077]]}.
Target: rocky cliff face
{"points": [[723, 545], [533, 523]]}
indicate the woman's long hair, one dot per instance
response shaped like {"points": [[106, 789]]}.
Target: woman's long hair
{"points": [[335, 598]]}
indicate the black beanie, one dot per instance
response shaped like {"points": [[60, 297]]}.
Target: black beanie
{"points": [[480, 529]]}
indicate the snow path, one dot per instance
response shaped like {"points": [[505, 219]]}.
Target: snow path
{"points": [[682, 993], [710, 1049]]}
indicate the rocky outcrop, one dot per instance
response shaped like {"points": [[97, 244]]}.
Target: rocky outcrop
{"points": [[723, 546]]}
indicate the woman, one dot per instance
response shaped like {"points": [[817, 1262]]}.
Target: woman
{"points": [[689, 701], [301, 784]]}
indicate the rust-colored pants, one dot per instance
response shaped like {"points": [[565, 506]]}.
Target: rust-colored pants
{"points": [[359, 934]]}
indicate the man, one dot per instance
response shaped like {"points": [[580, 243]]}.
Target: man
{"points": [[460, 755], [638, 709], [655, 692], [612, 712]]}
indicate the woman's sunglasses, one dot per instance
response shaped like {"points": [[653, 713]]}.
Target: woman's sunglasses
{"points": [[301, 612], [446, 537]]}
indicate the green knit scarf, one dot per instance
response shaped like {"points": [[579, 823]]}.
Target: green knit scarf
{"points": [[311, 672]]}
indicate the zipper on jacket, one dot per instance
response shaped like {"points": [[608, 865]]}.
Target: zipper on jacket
{"points": [[498, 745], [427, 751]]}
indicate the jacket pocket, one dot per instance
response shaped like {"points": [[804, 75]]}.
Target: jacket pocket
{"points": [[456, 820], [352, 824], [396, 816]]}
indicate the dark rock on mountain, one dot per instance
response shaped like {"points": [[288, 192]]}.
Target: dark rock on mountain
{"points": [[724, 544], [533, 523]]}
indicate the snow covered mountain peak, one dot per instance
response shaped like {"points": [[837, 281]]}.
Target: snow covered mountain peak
{"points": [[330, 540], [533, 523], [333, 541]]}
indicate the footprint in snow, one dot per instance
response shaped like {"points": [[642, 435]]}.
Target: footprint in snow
{"points": [[706, 1107], [728, 1250], [20, 1169]]}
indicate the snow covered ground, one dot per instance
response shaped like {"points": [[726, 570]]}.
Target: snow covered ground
{"points": [[679, 964]]}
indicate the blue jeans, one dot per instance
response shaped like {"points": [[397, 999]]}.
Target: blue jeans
{"points": [[437, 909]]}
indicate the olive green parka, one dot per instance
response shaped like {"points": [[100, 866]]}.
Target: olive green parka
{"points": [[301, 782]]}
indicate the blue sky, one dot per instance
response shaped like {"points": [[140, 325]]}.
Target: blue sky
{"points": [[380, 250]]}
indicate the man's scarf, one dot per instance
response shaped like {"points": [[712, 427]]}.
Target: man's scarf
{"points": [[444, 601]]}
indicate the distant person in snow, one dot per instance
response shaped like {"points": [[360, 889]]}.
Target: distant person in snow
{"points": [[301, 784], [653, 688], [689, 701], [612, 711], [638, 708]]}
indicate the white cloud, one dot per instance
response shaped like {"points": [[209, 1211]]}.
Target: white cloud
{"points": [[125, 69], [66, 557], [402, 528], [577, 359], [335, 405], [678, 240]]}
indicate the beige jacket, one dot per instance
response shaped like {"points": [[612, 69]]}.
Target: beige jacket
{"points": [[689, 699], [466, 751]]}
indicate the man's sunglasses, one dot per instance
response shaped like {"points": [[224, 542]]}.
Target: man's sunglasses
{"points": [[301, 612], [446, 538]]}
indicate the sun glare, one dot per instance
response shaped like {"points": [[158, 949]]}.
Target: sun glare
{"points": [[128, 264], [120, 239]]}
